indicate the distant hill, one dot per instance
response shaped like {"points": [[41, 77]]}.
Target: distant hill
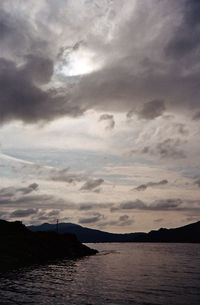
{"points": [[186, 234], [87, 235]]}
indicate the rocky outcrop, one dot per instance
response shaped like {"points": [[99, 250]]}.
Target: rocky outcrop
{"points": [[19, 246]]}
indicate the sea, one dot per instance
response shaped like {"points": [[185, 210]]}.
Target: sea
{"points": [[121, 273]]}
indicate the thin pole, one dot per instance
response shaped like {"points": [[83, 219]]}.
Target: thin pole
{"points": [[57, 226]]}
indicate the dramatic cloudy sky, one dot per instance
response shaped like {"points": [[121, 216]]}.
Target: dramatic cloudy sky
{"points": [[100, 112]]}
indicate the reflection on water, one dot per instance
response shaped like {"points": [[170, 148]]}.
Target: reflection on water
{"points": [[141, 274]]}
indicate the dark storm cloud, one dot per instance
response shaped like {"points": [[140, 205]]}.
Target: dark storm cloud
{"points": [[143, 187], [37, 69], [25, 65], [92, 185], [22, 99], [186, 37], [110, 119], [142, 62]]}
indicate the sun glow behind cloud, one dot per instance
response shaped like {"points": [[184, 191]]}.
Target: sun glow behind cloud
{"points": [[80, 63]]}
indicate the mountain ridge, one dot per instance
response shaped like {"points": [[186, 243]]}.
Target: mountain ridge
{"points": [[85, 234], [187, 233]]}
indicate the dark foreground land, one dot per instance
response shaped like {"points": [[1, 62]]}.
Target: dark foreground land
{"points": [[19, 246]]}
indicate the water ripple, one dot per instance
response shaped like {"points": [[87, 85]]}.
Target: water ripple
{"points": [[139, 274]]}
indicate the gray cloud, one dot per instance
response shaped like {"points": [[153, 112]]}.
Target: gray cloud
{"points": [[196, 116], [59, 174], [10, 194], [169, 148], [97, 217], [64, 175], [181, 128], [34, 215], [166, 204], [129, 205], [92, 206], [92, 185], [158, 205], [152, 110], [197, 182], [134, 75], [110, 120], [23, 213], [158, 220], [86, 207], [143, 187], [23, 197], [125, 220], [46, 215], [37, 216], [26, 190]]}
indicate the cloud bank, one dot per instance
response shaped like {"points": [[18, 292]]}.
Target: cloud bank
{"points": [[140, 71]]}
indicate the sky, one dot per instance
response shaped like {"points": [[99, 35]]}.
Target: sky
{"points": [[100, 113]]}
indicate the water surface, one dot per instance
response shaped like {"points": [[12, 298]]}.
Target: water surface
{"points": [[122, 273]]}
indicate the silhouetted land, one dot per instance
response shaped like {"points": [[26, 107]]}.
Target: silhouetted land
{"points": [[87, 235], [19, 246], [187, 234]]}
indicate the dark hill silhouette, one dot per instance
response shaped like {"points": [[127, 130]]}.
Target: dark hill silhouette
{"points": [[188, 234], [87, 235], [19, 246]]}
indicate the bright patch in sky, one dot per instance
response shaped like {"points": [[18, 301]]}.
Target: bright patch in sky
{"points": [[80, 63]]}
